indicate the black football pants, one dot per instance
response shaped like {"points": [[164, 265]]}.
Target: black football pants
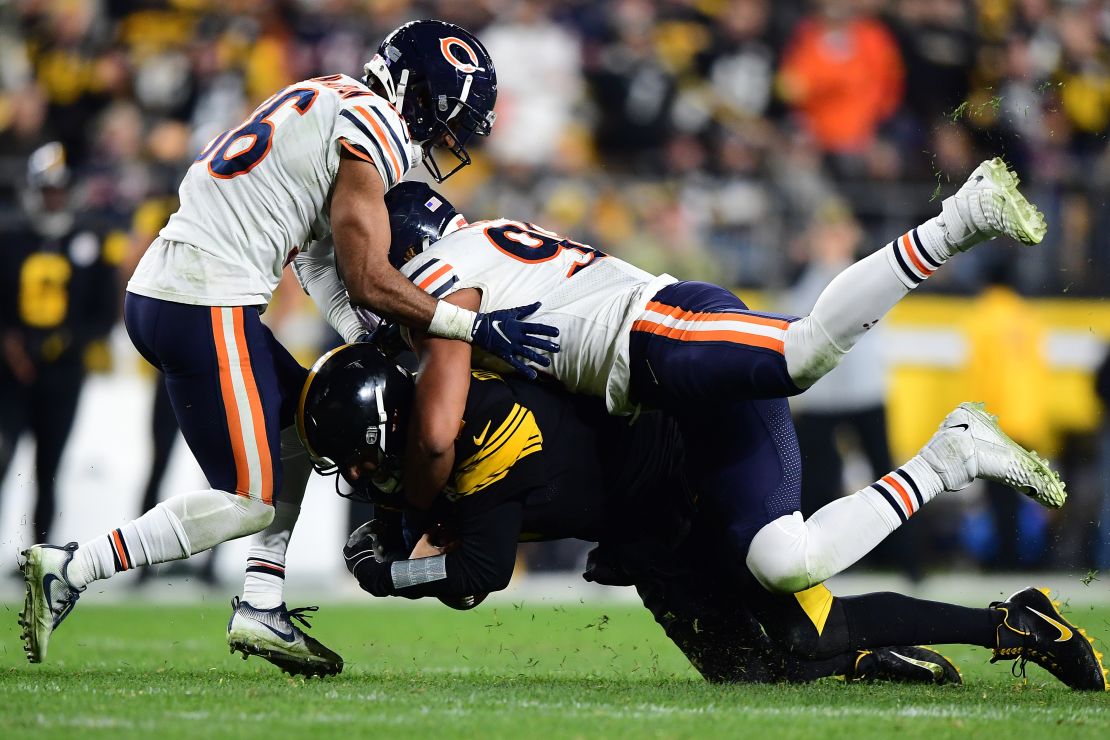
{"points": [[46, 408]]}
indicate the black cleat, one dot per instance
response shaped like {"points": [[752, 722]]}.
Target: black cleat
{"points": [[906, 664], [1033, 629]]}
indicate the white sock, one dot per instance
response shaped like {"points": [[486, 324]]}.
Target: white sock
{"points": [[155, 537], [264, 584], [857, 298], [178, 527], [791, 554]]}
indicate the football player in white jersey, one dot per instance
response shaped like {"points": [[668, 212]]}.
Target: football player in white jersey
{"points": [[723, 371], [315, 158]]}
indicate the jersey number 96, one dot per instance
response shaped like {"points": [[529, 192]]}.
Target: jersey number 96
{"points": [[239, 151]]}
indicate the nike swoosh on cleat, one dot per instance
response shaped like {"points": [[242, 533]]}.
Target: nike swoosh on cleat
{"points": [[480, 438], [289, 636], [47, 581], [933, 668], [958, 426], [1065, 633]]}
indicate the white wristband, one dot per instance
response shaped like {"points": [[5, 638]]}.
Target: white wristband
{"points": [[452, 322]]}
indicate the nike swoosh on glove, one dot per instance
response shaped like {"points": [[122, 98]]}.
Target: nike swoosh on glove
{"points": [[504, 335]]}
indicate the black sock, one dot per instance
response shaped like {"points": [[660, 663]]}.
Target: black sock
{"points": [[885, 619]]}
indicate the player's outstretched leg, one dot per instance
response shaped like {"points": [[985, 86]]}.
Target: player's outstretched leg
{"points": [[817, 625], [1033, 629], [180, 526], [988, 205], [970, 444], [791, 554], [260, 623], [50, 596]]}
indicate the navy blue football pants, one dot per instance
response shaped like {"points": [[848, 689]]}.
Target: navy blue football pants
{"points": [[232, 386], [698, 353]]}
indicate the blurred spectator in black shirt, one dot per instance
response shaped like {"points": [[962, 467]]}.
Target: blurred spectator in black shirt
{"points": [[59, 297]]}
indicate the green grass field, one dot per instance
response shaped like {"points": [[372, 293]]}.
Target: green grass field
{"points": [[509, 670]]}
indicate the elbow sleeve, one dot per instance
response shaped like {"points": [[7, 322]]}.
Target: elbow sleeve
{"points": [[315, 270]]}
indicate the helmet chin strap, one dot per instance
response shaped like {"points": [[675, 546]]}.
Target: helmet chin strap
{"points": [[462, 97], [456, 223], [402, 85], [382, 419], [376, 68]]}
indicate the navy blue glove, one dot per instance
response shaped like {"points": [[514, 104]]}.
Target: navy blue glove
{"points": [[504, 335]]}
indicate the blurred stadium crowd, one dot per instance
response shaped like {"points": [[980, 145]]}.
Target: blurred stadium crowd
{"points": [[705, 137], [738, 141]]}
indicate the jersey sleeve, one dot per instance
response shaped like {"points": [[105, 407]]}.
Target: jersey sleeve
{"points": [[496, 453], [481, 562], [372, 130], [431, 274]]}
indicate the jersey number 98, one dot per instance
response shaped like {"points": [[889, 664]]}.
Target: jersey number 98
{"points": [[239, 151], [530, 243]]}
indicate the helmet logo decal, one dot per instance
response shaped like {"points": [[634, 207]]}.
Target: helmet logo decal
{"points": [[449, 45]]}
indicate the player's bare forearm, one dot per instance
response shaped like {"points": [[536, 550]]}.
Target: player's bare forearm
{"points": [[360, 226], [438, 405]]}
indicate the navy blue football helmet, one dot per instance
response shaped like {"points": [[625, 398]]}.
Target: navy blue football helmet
{"points": [[354, 409], [418, 218], [442, 80]]}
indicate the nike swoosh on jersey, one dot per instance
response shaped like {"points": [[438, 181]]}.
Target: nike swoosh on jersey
{"points": [[1065, 633], [480, 438]]}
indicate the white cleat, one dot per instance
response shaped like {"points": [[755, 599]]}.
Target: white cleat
{"points": [[271, 634], [49, 596], [989, 205], [970, 445]]}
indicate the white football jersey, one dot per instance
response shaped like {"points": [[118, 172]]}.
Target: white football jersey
{"points": [[590, 297], [260, 191]]}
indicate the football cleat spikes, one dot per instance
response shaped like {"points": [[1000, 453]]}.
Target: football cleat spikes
{"points": [[905, 664], [970, 444], [49, 596], [271, 634], [989, 205], [1033, 630]]}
